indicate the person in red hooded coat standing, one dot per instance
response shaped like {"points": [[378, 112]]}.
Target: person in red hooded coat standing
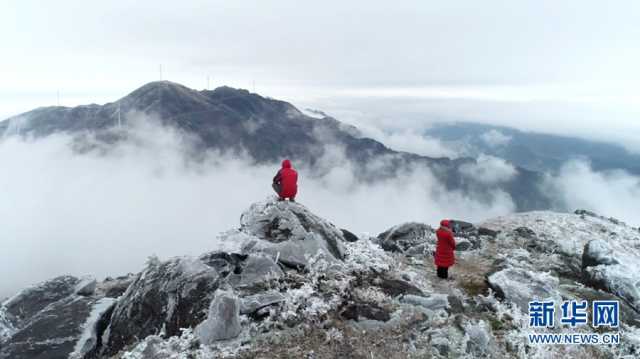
{"points": [[285, 183], [445, 257]]}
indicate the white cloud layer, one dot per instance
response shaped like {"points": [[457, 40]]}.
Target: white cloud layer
{"points": [[105, 211], [495, 138], [489, 170], [612, 194]]}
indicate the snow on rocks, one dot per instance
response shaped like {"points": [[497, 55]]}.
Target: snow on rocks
{"points": [[86, 286], [402, 237], [89, 337], [433, 302], [605, 250], [32, 300], [6, 326], [223, 320], [292, 230], [597, 252], [288, 283], [520, 286], [165, 297]]}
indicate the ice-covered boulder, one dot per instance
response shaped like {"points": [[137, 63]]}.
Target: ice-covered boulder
{"points": [[463, 244], [32, 300], [86, 286], [6, 325], [223, 319], [165, 297], [598, 252], [433, 302], [252, 303], [54, 319], [243, 270], [479, 339], [519, 286], [289, 232], [602, 269], [402, 237]]}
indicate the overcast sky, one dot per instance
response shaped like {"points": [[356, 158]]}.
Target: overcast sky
{"points": [[555, 66]]}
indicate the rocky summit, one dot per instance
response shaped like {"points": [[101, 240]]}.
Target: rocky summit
{"points": [[288, 284]]}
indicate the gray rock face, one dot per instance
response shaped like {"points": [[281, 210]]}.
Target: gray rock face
{"points": [[32, 300], [479, 339], [223, 320], [520, 286], [524, 232], [252, 303], [51, 333], [616, 279], [597, 252], [463, 244], [86, 287], [166, 296], [433, 302], [256, 270], [601, 269], [291, 233], [405, 236], [45, 321]]}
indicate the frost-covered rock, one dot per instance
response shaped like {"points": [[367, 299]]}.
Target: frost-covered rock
{"points": [[617, 279], [479, 338], [6, 325], [520, 286], [463, 244], [223, 319], [44, 320], [86, 286], [353, 299], [402, 237], [32, 300], [597, 252], [90, 336], [290, 232], [433, 302], [164, 298], [50, 333], [252, 303]]}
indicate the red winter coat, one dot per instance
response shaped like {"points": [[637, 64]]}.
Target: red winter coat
{"points": [[287, 178], [444, 248]]}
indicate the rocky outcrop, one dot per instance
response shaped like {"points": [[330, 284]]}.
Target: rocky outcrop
{"points": [[291, 233], [47, 320], [602, 269], [405, 236], [223, 319], [418, 239], [520, 286], [165, 297], [289, 284], [597, 252]]}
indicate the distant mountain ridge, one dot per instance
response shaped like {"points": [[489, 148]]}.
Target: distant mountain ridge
{"points": [[535, 151], [238, 121]]}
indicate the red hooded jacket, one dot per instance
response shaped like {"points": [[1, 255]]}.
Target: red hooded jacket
{"points": [[287, 177], [446, 246]]}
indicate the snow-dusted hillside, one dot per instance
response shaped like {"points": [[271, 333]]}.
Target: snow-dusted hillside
{"points": [[287, 283]]}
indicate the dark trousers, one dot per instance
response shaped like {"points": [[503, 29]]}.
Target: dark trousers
{"points": [[443, 272], [276, 187]]}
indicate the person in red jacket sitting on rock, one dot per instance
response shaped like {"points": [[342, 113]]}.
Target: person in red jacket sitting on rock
{"points": [[285, 183], [445, 257]]}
